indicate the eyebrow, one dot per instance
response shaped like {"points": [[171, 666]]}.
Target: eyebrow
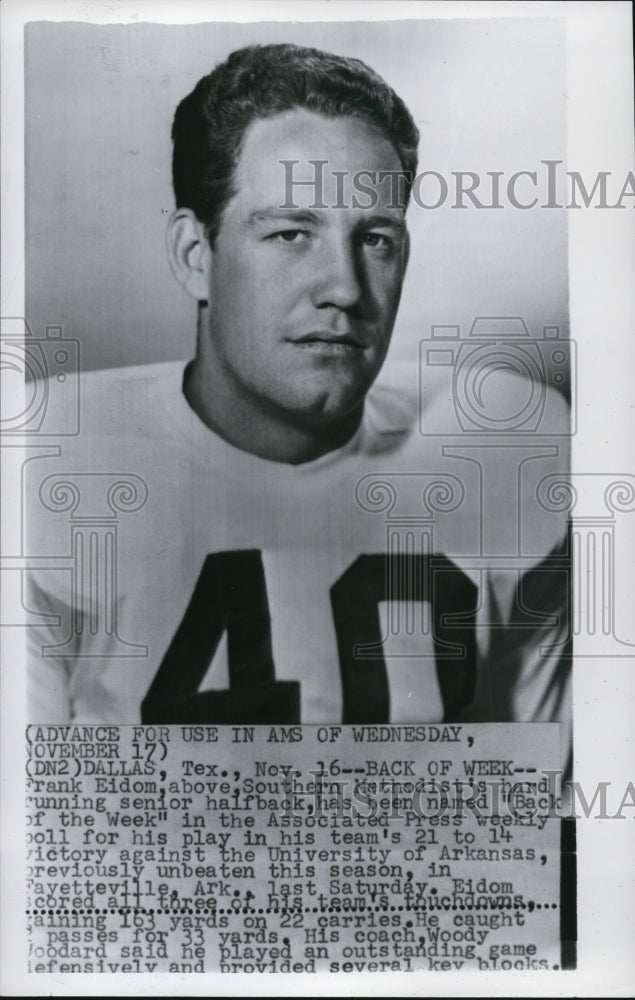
{"points": [[277, 214], [370, 220], [383, 221]]}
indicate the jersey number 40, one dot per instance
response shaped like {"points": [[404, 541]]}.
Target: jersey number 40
{"points": [[231, 595]]}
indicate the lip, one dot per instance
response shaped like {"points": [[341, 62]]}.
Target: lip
{"points": [[328, 339]]}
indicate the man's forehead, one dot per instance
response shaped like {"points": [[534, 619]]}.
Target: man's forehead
{"points": [[311, 161]]}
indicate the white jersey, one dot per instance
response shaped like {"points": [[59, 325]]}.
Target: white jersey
{"points": [[406, 577]]}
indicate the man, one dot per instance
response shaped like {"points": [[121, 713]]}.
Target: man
{"points": [[302, 550]]}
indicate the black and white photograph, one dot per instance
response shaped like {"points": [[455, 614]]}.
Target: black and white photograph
{"points": [[318, 498]]}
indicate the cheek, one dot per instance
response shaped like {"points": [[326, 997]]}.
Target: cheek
{"points": [[248, 318], [256, 285], [384, 286], [229, 276]]}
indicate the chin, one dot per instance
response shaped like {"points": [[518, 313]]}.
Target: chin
{"points": [[328, 412], [333, 401]]}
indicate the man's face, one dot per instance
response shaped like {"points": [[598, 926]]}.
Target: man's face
{"points": [[302, 301]]}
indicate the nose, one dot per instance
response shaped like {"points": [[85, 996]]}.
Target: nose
{"points": [[338, 280]]}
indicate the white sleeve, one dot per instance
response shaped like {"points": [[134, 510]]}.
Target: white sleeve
{"points": [[525, 649]]}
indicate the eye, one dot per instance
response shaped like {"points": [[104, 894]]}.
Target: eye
{"points": [[290, 236], [377, 241]]}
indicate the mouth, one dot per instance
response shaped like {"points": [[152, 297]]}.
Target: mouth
{"points": [[328, 341]]}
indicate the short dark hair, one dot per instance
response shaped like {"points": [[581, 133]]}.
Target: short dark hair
{"points": [[260, 81]]}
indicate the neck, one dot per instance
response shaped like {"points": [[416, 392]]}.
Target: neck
{"points": [[262, 430]]}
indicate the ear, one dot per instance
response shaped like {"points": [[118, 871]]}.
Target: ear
{"points": [[189, 252]]}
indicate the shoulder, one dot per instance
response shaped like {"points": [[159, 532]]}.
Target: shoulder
{"points": [[495, 403], [485, 402], [118, 396], [106, 423], [117, 403]]}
